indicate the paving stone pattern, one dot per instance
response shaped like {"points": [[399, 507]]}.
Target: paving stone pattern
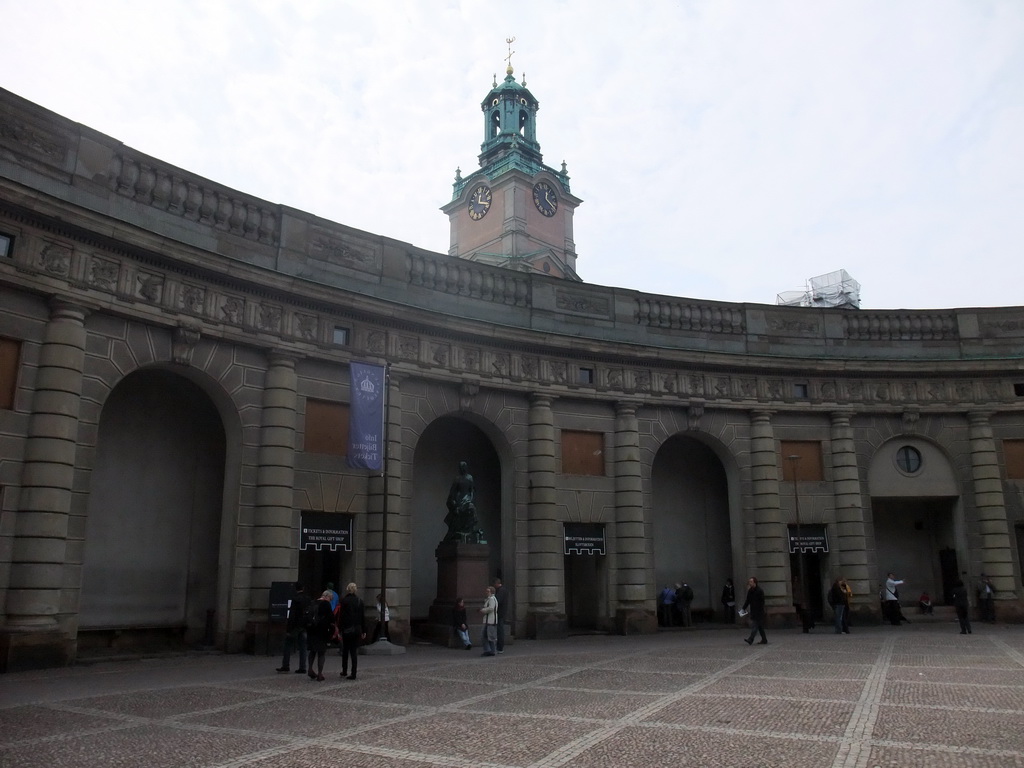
{"points": [[883, 696]]}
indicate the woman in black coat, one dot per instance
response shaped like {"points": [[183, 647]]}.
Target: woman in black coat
{"points": [[319, 633]]}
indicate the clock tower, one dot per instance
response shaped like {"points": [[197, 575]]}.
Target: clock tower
{"points": [[514, 211]]}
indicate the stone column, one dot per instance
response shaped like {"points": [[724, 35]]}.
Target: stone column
{"points": [[546, 613], [850, 545], [634, 593], [771, 545], [33, 635], [990, 508], [273, 537], [396, 529]]}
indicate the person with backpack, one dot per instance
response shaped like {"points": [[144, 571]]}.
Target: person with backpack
{"points": [[352, 620], [295, 630], [319, 629]]}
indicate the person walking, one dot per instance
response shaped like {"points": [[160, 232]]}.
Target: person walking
{"points": [[729, 602], [459, 623], [987, 600], [501, 595], [319, 631], [837, 599], [892, 599], [754, 604], [963, 607], [490, 631], [295, 630], [352, 620], [847, 603]]}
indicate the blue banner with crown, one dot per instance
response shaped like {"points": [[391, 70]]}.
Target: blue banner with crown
{"points": [[366, 424]]}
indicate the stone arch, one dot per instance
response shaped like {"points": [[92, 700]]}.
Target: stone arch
{"points": [[447, 439], [151, 424], [695, 515], [917, 516]]}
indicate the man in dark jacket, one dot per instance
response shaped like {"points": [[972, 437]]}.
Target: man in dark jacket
{"points": [[755, 605], [501, 595], [963, 608], [351, 619], [295, 630]]}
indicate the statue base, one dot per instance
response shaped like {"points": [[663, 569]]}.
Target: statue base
{"points": [[462, 571]]}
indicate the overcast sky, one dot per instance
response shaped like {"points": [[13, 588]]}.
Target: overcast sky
{"points": [[723, 150]]}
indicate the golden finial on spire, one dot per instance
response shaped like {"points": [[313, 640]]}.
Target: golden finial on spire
{"points": [[509, 41]]}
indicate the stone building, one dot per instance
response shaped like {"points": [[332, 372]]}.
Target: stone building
{"points": [[174, 390]]}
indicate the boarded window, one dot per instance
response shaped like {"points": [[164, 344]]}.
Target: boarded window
{"points": [[9, 353], [582, 453], [808, 466], [1013, 455], [326, 427]]}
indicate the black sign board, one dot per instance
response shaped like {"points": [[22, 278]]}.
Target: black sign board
{"points": [[808, 538], [325, 531], [281, 594], [584, 539]]}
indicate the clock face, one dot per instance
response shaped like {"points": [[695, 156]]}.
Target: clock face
{"points": [[479, 202], [544, 198]]}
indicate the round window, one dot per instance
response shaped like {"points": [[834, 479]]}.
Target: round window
{"points": [[908, 459]]}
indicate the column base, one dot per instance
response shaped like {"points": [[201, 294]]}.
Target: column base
{"points": [[22, 650], [635, 621], [547, 626]]}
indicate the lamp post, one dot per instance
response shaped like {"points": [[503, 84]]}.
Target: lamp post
{"points": [[794, 462]]}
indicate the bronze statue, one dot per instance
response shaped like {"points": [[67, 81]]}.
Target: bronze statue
{"points": [[462, 522]]}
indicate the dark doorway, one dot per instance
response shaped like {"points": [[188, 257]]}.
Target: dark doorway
{"points": [[583, 579], [812, 576], [318, 568], [950, 573]]}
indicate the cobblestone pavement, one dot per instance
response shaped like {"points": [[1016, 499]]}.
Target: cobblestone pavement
{"points": [[883, 696]]}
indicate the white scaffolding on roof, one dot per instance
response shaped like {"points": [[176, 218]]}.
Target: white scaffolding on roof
{"points": [[835, 289]]}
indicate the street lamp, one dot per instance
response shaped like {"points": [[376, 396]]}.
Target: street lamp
{"points": [[794, 462]]}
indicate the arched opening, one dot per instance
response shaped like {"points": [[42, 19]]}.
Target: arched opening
{"points": [[690, 520], [445, 443], [152, 538], [919, 534]]}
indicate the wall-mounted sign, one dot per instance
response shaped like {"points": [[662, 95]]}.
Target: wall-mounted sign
{"points": [[808, 538], [584, 539], [325, 531]]}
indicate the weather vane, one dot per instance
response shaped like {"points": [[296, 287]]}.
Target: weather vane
{"points": [[509, 41]]}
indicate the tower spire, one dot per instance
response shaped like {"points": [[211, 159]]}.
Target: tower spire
{"points": [[509, 41]]}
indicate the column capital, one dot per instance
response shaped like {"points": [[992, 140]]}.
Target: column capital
{"points": [[761, 416], [277, 358], [841, 417], [541, 399], [979, 418], [626, 407], [63, 309]]}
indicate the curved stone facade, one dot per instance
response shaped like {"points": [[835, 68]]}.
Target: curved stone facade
{"points": [[663, 423]]}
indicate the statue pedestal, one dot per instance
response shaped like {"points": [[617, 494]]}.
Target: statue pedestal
{"points": [[462, 571]]}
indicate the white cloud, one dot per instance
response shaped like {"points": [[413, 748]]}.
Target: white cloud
{"points": [[723, 150]]}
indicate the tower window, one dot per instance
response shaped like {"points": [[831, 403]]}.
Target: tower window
{"points": [[524, 118], [6, 245], [495, 123]]}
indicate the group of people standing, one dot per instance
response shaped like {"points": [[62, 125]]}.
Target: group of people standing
{"points": [[312, 625], [493, 614], [674, 605]]}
